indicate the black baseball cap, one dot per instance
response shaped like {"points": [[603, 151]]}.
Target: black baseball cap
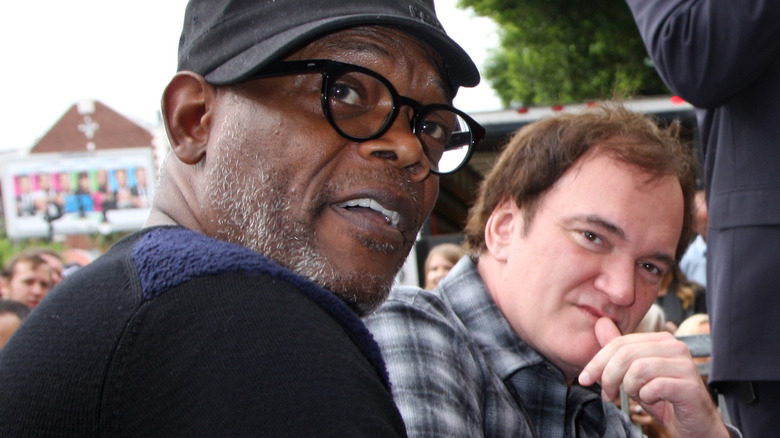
{"points": [[227, 41]]}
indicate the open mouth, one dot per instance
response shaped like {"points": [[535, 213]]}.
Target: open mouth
{"points": [[391, 217]]}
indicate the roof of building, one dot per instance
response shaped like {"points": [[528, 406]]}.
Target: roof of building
{"points": [[91, 125]]}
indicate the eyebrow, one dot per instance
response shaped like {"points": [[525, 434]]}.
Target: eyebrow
{"points": [[351, 45], [370, 47], [619, 233]]}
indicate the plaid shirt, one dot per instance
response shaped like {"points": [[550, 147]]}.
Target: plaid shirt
{"points": [[454, 363]]}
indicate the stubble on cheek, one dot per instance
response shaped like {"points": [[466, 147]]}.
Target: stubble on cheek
{"points": [[360, 289], [257, 207]]}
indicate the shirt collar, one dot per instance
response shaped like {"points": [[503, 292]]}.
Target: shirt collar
{"points": [[470, 300]]}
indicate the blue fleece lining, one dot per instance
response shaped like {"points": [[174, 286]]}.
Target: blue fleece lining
{"points": [[168, 257]]}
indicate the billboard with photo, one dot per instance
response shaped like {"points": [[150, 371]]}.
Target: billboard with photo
{"points": [[96, 192]]}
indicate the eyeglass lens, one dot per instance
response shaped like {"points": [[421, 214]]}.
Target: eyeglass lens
{"points": [[362, 106]]}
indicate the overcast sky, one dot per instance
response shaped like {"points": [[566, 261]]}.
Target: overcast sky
{"points": [[57, 52]]}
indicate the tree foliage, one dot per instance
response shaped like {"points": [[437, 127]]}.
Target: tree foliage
{"points": [[562, 51]]}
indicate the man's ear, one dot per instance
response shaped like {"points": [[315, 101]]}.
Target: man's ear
{"points": [[186, 105], [500, 226]]}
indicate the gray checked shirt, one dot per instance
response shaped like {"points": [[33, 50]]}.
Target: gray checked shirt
{"points": [[459, 370]]}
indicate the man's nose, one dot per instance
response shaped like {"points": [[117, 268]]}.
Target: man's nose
{"points": [[617, 280], [39, 289], [400, 147]]}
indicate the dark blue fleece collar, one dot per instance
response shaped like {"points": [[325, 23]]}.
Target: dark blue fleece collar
{"points": [[170, 256]]}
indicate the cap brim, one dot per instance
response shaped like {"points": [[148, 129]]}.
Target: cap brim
{"points": [[461, 70]]}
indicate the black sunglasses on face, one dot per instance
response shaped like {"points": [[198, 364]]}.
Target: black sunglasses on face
{"points": [[361, 105]]}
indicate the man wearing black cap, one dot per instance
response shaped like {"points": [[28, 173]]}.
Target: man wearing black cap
{"points": [[307, 139]]}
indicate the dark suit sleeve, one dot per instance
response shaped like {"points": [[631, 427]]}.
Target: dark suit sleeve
{"points": [[709, 50]]}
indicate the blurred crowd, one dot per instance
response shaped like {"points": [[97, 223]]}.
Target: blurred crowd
{"points": [[27, 278]]}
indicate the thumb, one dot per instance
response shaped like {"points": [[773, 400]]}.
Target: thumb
{"points": [[606, 331]]}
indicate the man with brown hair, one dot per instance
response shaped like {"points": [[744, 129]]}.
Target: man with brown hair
{"points": [[568, 240], [26, 278]]}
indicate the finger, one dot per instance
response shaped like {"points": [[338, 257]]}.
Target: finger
{"points": [[655, 379], [683, 405], [631, 347], [665, 398], [606, 331]]}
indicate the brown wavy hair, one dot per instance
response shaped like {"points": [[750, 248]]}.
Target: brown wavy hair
{"points": [[541, 152]]}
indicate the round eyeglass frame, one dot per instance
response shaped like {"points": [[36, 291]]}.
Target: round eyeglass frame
{"points": [[331, 70]]}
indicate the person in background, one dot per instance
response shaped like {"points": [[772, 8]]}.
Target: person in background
{"points": [[66, 199], [140, 192], [75, 259], [697, 324], [45, 198], [680, 298], [83, 194], [568, 239], [12, 313], [25, 201], [723, 56], [653, 321], [26, 278], [122, 195], [101, 197], [55, 261], [694, 262], [439, 261], [307, 139]]}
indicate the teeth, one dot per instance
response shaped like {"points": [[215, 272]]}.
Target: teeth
{"points": [[392, 217]]}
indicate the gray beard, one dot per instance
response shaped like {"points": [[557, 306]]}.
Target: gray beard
{"points": [[254, 210]]}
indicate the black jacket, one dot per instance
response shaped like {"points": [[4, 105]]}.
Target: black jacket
{"points": [[172, 333]]}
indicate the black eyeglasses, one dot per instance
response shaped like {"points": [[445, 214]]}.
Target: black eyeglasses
{"points": [[361, 105]]}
